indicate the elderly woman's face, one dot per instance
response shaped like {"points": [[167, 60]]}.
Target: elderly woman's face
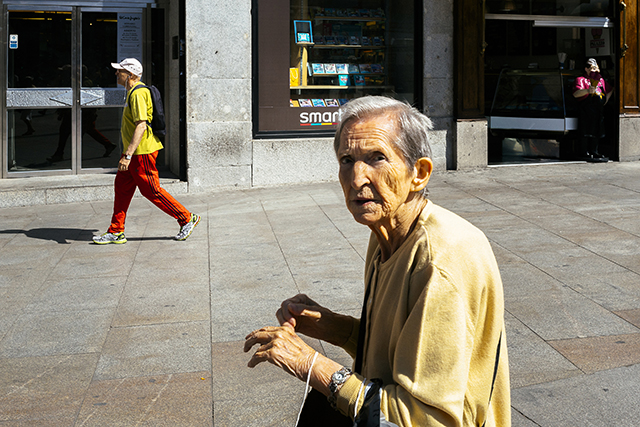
{"points": [[374, 177]]}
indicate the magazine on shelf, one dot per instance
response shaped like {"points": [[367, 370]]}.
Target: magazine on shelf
{"points": [[317, 68], [294, 103], [342, 40], [354, 69], [343, 80], [342, 68], [329, 68], [343, 101], [376, 68], [329, 40], [358, 80], [305, 103], [365, 68], [331, 102], [318, 102]]}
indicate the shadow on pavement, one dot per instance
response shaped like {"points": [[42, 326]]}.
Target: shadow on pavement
{"points": [[60, 235]]}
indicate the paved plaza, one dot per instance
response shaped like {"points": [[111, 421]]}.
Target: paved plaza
{"points": [[150, 333]]}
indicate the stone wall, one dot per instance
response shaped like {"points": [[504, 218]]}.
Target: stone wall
{"points": [[219, 137], [629, 141]]}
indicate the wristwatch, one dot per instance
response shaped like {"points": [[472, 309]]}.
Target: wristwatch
{"points": [[337, 379], [127, 156]]}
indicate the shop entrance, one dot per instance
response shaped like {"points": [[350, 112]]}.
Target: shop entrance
{"points": [[534, 53], [63, 107]]}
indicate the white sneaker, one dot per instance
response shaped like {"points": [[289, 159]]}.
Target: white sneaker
{"points": [[187, 229], [107, 237]]}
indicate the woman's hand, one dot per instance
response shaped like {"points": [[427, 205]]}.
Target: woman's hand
{"points": [[300, 312], [282, 347], [311, 319]]}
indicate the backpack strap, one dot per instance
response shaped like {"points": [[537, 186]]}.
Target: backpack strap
{"points": [[129, 97]]}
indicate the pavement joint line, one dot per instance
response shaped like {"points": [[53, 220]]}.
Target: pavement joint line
{"points": [[284, 256], [552, 232]]}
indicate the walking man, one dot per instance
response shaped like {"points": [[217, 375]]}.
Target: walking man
{"points": [[137, 166]]}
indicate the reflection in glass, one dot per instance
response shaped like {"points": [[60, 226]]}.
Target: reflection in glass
{"points": [[99, 49], [100, 137], [32, 136], [43, 49], [550, 7]]}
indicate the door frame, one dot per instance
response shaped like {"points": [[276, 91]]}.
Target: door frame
{"points": [[76, 83]]}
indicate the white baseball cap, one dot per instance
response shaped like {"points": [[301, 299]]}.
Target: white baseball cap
{"points": [[132, 65]]}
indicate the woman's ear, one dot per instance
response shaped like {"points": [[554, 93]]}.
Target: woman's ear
{"points": [[422, 173]]}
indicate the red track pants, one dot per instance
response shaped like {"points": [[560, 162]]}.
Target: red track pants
{"points": [[143, 174]]}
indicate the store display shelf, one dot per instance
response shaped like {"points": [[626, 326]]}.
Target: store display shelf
{"points": [[346, 74], [329, 87], [345, 46], [348, 18]]}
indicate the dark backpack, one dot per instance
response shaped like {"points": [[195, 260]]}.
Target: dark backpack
{"points": [[158, 124]]}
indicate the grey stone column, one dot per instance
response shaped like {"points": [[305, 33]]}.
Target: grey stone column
{"points": [[438, 78], [219, 138]]}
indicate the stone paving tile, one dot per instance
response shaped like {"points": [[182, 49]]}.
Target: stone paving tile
{"points": [[607, 398], [172, 400], [264, 411], [26, 257], [631, 316], [43, 391], [105, 265], [78, 294], [595, 354], [155, 350], [615, 291], [531, 359], [519, 420], [234, 381], [162, 302], [57, 332], [563, 314]]}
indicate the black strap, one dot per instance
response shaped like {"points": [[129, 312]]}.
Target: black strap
{"points": [[357, 365], [495, 374], [129, 96]]}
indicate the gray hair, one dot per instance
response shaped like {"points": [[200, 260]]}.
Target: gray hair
{"points": [[412, 127]]}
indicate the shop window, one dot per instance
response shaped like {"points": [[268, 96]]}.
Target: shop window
{"points": [[315, 55], [550, 7]]}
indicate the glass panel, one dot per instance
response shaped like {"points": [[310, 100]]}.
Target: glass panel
{"points": [[101, 146], [41, 55], [551, 7], [99, 49], [33, 136], [529, 94], [317, 55], [100, 126]]}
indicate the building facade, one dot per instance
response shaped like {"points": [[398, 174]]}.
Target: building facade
{"points": [[252, 87]]}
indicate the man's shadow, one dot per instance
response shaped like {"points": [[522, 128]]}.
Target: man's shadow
{"points": [[63, 236]]}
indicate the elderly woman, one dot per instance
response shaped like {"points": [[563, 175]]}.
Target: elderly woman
{"points": [[430, 346]]}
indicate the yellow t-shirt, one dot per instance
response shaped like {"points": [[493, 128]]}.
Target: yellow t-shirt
{"points": [[139, 107]]}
